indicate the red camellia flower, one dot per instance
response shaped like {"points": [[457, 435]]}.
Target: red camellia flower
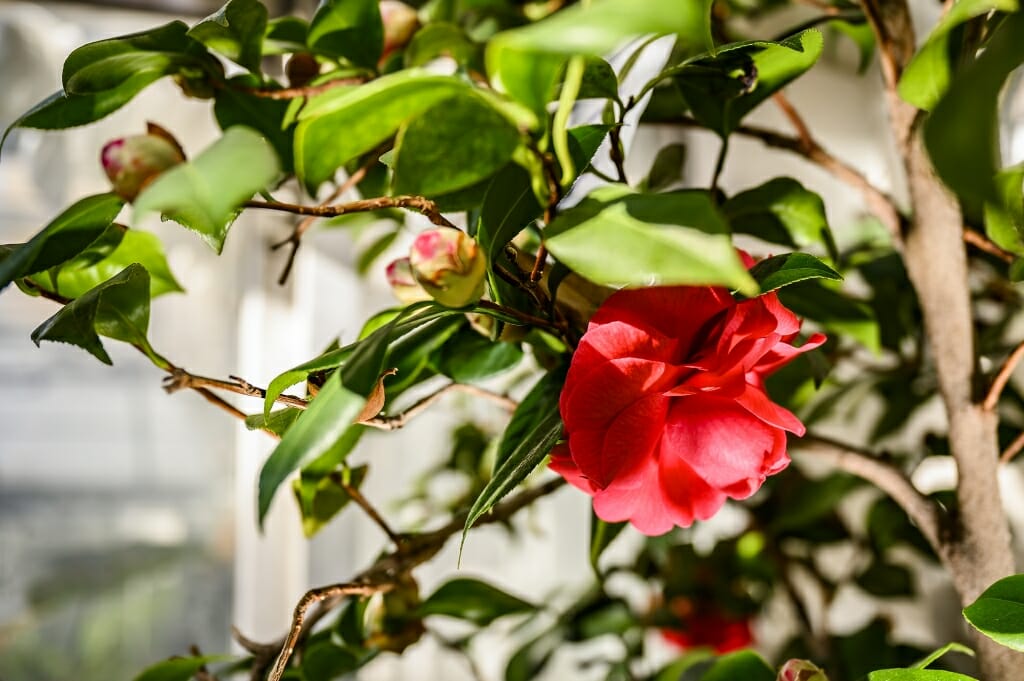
{"points": [[664, 404], [706, 627]]}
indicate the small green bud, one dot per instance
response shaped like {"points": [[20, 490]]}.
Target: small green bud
{"points": [[133, 162]]}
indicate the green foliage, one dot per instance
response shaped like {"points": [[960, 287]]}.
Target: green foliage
{"points": [[790, 268], [236, 31], [323, 496], [916, 675], [999, 612], [239, 164], [781, 211], [177, 669], [744, 664], [349, 29], [474, 601]]}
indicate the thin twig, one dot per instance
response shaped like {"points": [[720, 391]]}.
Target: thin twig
{"points": [[526, 319], [982, 243], [922, 510], [796, 120], [414, 203], [1012, 449], [371, 512], [615, 153], [304, 91], [180, 379], [401, 419], [1002, 377]]}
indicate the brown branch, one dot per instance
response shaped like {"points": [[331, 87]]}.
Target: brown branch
{"points": [[399, 420], [526, 319], [180, 379], [371, 511], [1012, 449], [304, 91], [418, 204], [1002, 377], [982, 243], [923, 511]]}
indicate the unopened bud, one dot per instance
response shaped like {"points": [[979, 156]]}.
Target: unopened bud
{"points": [[400, 23], [801, 670], [403, 283], [133, 162], [448, 264]]}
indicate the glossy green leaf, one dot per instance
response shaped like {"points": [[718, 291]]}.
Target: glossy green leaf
{"points": [[351, 29], [469, 357], [473, 601], [232, 106], [177, 669], [999, 612], [526, 62], [928, 75], [440, 39], [434, 155], [509, 205], [321, 497], [326, 419], [789, 268], [917, 675], [285, 35], [948, 648], [599, 80], [666, 169], [117, 308], [343, 123], [206, 193], [781, 211], [538, 403], [833, 310], [236, 31], [1004, 219], [63, 238], [523, 460], [721, 89], [326, 661], [658, 239], [277, 422], [966, 157], [743, 664]]}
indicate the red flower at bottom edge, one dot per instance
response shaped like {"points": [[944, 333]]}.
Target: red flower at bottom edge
{"points": [[664, 404], [710, 629]]}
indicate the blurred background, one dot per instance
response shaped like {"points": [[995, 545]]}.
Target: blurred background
{"points": [[127, 529]]}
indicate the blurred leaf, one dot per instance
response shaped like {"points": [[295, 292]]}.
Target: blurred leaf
{"points": [[833, 310], [526, 62], [469, 357], [721, 89], [744, 664], [236, 31], [277, 422], [667, 168], [370, 254], [117, 308], [810, 503], [781, 211], [927, 76], [917, 675], [948, 648], [1004, 220], [474, 601], [177, 669], [285, 35], [886, 580], [602, 534], [999, 612], [658, 239], [599, 80], [966, 157], [527, 663], [206, 193], [440, 40], [789, 268], [65, 237], [321, 497], [348, 28], [888, 526], [862, 36], [234, 106], [434, 155]]}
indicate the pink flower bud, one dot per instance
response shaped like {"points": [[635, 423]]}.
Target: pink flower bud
{"points": [[400, 23], [801, 670], [403, 283], [448, 264], [133, 162]]}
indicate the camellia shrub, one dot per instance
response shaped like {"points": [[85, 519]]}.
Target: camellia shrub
{"points": [[681, 344]]}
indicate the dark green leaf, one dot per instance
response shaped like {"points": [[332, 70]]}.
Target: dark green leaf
{"points": [[789, 268], [177, 669], [928, 75], [117, 308], [1004, 220], [205, 194], [434, 155], [474, 601], [348, 28], [999, 612], [531, 658], [599, 80], [321, 497], [834, 311], [781, 211], [667, 168], [813, 502], [917, 675], [886, 580], [65, 237], [966, 157], [440, 40], [522, 461], [602, 534], [233, 106], [285, 35], [538, 403], [236, 31], [469, 357], [744, 664], [508, 207], [325, 661], [658, 239]]}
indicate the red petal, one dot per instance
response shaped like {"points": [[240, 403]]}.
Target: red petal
{"points": [[562, 463], [592, 401], [754, 400], [784, 353]]}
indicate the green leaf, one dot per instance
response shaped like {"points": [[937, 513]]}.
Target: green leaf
{"points": [[599, 80], [789, 268], [205, 194], [440, 39], [917, 675], [117, 308], [66, 236], [886, 580], [835, 311], [285, 35], [966, 157], [434, 155], [326, 419], [862, 36], [1004, 220], [781, 211], [321, 497], [233, 106], [509, 205], [236, 31], [526, 62], [999, 612], [928, 75], [343, 123], [528, 454], [469, 357], [948, 648], [177, 669], [743, 664], [721, 89], [602, 534], [538, 403], [351, 29], [277, 421], [473, 601], [658, 239], [667, 168], [325, 661]]}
